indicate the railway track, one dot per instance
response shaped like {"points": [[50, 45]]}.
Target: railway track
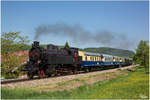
{"points": [[16, 80], [8, 81]]}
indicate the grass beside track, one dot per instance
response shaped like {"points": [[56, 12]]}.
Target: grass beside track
{"points": [[133, 86]]}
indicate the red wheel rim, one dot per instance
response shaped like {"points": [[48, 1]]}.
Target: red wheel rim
{"points": [[41, 74]]}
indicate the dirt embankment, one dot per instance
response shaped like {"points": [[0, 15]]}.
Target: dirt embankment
{"points": [[71, 81]]}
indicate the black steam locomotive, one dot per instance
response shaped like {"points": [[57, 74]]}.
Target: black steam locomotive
{"points": [[51, 61]]}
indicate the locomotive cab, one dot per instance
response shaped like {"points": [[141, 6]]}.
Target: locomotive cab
{"points": [[52, 47]]}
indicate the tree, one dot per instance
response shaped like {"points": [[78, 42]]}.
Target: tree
{"points": [[142, 54], [11, 42], [66, 45]]}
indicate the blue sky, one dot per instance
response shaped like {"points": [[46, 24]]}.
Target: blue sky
{"points": [[129, 19]]}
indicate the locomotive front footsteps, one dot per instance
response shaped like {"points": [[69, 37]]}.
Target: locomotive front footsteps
{"points": [[51, 61]]}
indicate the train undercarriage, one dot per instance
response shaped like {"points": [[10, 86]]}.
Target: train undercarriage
{"points": [[58, 70]]}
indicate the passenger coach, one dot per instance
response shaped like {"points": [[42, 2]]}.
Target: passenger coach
{"points": [[91, 60]]}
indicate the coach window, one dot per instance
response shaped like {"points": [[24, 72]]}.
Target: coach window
{"points": [[85, 58]]}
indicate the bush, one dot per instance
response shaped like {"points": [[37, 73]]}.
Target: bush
{"points": [[11, 65]]}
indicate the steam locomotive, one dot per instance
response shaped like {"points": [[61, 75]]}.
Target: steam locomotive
{"points": [[51, 61]]}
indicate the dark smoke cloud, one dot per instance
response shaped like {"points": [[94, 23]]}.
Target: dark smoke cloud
{"points": [[80, 35]]}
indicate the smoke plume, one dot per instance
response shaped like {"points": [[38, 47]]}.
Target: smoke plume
{"points": [[78, 34]]}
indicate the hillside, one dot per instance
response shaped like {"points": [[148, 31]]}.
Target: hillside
{"points": [[110, 51]]}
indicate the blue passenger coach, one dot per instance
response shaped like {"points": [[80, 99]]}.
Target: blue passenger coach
{"points": [[100, 60]]}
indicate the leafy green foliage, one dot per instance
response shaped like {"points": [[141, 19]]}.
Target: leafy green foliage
{"points": [[142, 54], [11, 42]]}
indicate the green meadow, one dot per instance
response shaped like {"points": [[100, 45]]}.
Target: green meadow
{"points": [[135, 85]]}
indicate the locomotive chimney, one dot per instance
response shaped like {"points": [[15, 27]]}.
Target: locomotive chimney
{"points": [[35, 44]]}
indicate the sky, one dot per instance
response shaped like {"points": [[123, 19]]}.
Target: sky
{"points": [[117, 24]]}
